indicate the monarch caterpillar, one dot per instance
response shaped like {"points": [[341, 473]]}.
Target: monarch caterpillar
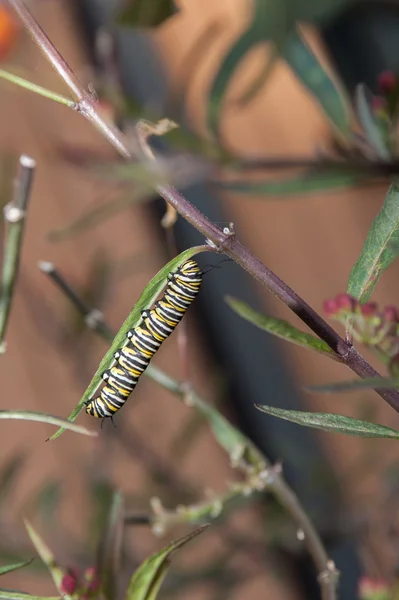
{"points": [[144, 340]]}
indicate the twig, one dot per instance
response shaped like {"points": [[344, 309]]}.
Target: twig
{"points": [[260, 475], [14, 216], [226, 242]]}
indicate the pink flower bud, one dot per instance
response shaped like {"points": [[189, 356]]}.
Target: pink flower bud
{"points": [[345, 302], [373, 589], [391, 314], [69, 583], [369, 309], [330, 307], [92, 579]]}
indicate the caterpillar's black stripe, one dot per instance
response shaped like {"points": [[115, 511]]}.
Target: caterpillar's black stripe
{"points": [[144, 341]]}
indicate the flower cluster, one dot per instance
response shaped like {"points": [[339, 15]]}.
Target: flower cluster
{"points": [[385, 105], [84, 586], [374, 589], [366, 323]]}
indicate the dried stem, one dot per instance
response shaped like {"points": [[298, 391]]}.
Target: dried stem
{"points": [[14, 216]]}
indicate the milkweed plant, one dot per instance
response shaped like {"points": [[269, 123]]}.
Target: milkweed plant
{"points": [[364, 150]]}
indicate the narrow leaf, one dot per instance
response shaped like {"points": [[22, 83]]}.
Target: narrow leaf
{"points": [[146, 581], [14, 567], [47, 557], [313, 76], [8, 475], [11, 595], [372, 383], [24, 415], [380, 249], [147, 298], [110, 549], [306, 183], [370, 127], [141, 13], [262, 24], [279, 328], [258, 83], [331, 422], [100, 213]]}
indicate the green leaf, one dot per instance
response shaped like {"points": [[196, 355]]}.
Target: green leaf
{"points": [[24, 415], [372, 383], [331, 422], [147, 298], [146, 581], [142, 13], [100, 213], [109, 555], [370, 126], [279, 328], [8, 475], [48, 558], [313, 76], [262, 77], [306, 183], [11, 595], [14, 567], [380, 248], [267, 19]]}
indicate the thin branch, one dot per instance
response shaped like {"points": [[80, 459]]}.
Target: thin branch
{"points": [[14, 216], [260, 475], [359, 164]]}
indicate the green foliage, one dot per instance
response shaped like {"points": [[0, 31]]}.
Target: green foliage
{"points": [[110, 549], [11, 595], [14, 567], [57, 573], [146, 581], [372, 383], [141, 13], [25, 415], [331, 422], [264, 19], [310, 182], [279, 328], [371, 128], [380, 249], [147, 298], [313, 76]]}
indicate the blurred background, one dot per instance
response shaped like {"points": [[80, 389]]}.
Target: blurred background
{"points": [[160, 447]]}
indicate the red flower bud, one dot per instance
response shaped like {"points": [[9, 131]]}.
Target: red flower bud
{"points": [[345, 302], [391, 314], [373, 589], [369, 309], [330, 307], [387, 82], [69, 583], [92, 579]]}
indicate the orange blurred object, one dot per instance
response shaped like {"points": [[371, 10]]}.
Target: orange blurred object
{"points": [[8, 31]]}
